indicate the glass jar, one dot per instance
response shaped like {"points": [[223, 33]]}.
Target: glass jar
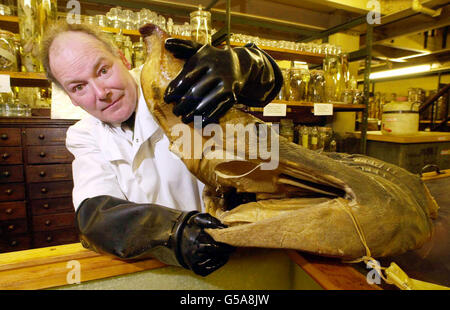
{"points": [[314, 138], [128, 50], [298, 84], [170, 26], [114, 18], [201, 26], [128, 19], [304, 136], [139, 53], [8, 56], [284, 91], [5, 10], [325, 134], [118, 41], [347, 96], [287, 129], [358, 97], [316, 89], [101, 20], [331, 71], [29, 35]]}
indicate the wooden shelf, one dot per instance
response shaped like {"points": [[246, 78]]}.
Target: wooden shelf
{"points": [[10, 23], [295, 105], [27, 79]]}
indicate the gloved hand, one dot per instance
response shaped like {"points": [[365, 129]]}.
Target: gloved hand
{"points": [[130, 230], [214, 79], [199, 252]]}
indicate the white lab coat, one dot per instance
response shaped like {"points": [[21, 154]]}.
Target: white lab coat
{"points": [[136, 166]]}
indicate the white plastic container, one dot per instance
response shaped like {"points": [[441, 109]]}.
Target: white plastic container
{"points": [[400, 118]]}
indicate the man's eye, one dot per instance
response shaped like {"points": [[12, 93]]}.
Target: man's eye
{"points": [[104, 71], [78, 88]]}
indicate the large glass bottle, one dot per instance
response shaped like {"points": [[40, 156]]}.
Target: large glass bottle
{"points": [[201, 26], [27, 11], [331, 72], [8, 58]]}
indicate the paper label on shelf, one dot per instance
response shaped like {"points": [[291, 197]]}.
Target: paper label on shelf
{"points": [[275, 109], [5, 83], [323, 109]]}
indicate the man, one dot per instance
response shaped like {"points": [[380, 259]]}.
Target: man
{"points": [[133, 198]]}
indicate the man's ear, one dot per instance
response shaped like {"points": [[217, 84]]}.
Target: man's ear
{"points": [[124, 60]]}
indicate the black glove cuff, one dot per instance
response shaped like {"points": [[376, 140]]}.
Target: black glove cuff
{"points": [[176, 236]]}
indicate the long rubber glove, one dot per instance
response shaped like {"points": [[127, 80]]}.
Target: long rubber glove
{"points": [[131, 231], [214, 79]]}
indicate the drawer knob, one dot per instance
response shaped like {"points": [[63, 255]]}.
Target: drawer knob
{"points": [[6, 173], [4, 136], [42, 173], [5, 155], [11, 227], [9, 211], [44, 190], [41, 136], [48, 223], [13, 243], [42, 154], [8, 191], [45, 206], [49, 238]]}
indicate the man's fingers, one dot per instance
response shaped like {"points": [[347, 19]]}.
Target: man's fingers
{"points": [[178, 87], [194, 95]]}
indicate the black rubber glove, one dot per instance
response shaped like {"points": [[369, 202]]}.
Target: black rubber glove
{"points": [[214, 79], [133, 231], [199, 251]]}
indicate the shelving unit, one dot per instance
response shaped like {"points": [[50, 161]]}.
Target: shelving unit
{"points": [[300, 110]]}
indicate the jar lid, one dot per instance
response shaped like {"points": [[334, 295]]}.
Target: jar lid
{"points": [[200, 13], [400, 106]]}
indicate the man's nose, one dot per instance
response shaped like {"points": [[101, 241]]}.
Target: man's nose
{"points": [[100, 90]]}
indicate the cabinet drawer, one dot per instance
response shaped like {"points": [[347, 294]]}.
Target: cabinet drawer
{"points": [[12, 191], [49, 206], [15, 243], [11, 174], [11, 155], [50, 189], [13, 227], [46, 136], [12, 210], [57, 237], [10, 137], [46, 173], [50, 222], [48, 154]]}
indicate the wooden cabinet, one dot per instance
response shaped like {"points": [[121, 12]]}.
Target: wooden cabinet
{"points": [[36, 184]]}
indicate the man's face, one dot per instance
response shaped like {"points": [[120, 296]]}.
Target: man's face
{"points": [[93, 77]]}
